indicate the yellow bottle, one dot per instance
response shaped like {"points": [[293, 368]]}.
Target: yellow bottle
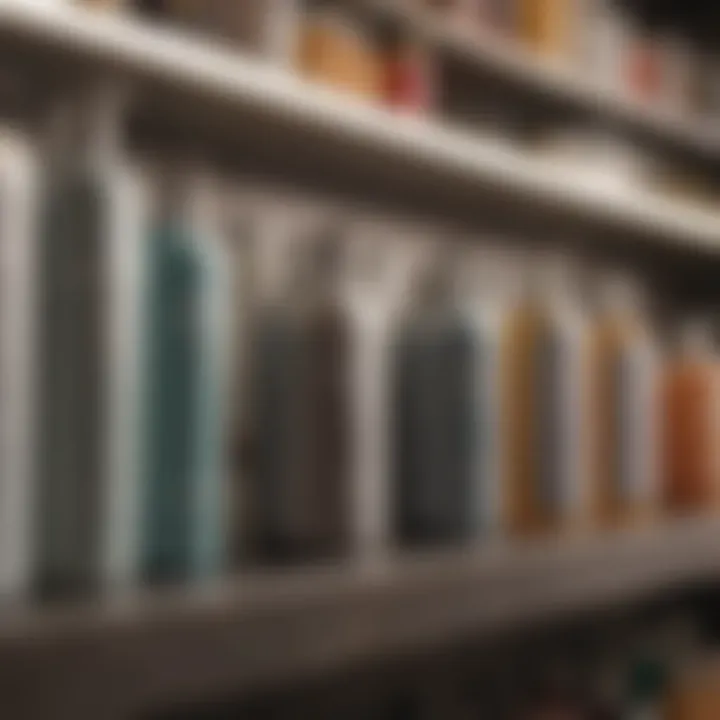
{"points": [[545, 389], [626, 422]]}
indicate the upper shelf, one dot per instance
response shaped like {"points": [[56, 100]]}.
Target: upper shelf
{"points": [[291, 111], [520, 68]]}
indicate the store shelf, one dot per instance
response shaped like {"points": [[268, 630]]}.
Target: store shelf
{"points": [[519, 68], [257, 631], [292, 111]]}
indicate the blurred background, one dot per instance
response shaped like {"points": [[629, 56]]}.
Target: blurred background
{"points": [[358, 359]]}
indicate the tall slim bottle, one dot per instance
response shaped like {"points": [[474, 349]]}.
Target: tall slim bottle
{"points": [[486, 308], [18, 211], [242, 213], [299, 435], [434, 415], [545, 399], [374, 289], [186, 384], [627, 423], [692, 424], [269, 437], [325, 477], [88, 279]]}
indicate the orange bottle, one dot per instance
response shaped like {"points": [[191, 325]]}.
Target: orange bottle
{"points": [[626, 423], [692, 415]]}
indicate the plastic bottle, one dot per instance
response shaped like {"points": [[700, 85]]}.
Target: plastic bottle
{"points": [[375, 282], [546, 396], [19, 197], [89, 275], [692, 415], [186, 382], [435, 413], [627, 420], [490, 288], [300, 482]]}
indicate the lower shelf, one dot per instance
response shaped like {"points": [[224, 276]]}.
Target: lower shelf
{"points": [[113, 658]]}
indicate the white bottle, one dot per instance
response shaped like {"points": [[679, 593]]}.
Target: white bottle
{"points": [[94, 211], [127, 228], [374, 287]]}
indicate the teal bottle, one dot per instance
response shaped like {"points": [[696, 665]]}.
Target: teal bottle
{"points": [[183, 524]]}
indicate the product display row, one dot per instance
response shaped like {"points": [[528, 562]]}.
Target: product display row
{"points": [[337, 46], [322, 42], [192, 381], [272, 346], [464, 395], [333, 42]]}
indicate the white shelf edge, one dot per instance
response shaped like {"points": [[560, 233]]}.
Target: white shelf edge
{"points": [[204, 71]]}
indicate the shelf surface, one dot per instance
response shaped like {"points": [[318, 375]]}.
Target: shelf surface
{"points": [[256, 631], [291, 110]]}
